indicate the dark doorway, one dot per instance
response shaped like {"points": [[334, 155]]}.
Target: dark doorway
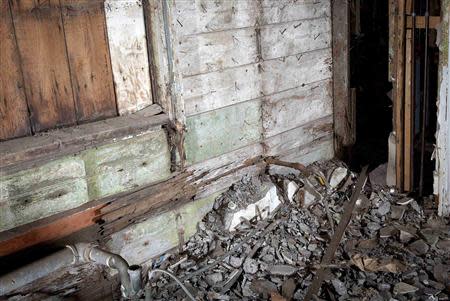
{"points": [[369, 81], [373, 93]]}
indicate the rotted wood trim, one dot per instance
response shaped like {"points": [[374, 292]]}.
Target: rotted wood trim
{"points": [[111, 214], [25, 152]]}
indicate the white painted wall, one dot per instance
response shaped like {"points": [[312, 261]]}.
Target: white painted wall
{"points": [[442, 152]]}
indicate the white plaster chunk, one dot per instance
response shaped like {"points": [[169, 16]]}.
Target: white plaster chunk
{"points": [[337, 176], [266, 206], [292, 189], [310, 199]]}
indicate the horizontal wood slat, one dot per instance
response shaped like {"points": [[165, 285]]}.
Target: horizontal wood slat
{"points": [[19, 153]]}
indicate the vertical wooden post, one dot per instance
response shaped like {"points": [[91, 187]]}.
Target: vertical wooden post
{"points": [[400, 95], [409, 111], [343, 137]]}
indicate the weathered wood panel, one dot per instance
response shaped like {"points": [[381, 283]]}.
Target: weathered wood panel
{"points": [[127, 164], [226, 49], [19, 153], [195, 16], [295, 138], [278, 11], [292, 108], [14, 121], [88, 53], [40, 37], [214, 90], [217, 51], [295, 71], [295, 37], [129, 57], [221, 131], [40, 192]]}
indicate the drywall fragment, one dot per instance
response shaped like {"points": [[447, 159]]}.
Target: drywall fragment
{"points": [[402, 288]]}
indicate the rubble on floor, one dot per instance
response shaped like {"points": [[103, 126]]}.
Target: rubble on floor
{"points": [[393, 248]]}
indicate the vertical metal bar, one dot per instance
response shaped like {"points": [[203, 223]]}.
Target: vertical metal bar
{"points": [[425, 99]]}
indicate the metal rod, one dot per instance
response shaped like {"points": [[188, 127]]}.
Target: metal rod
{"points": [[425, 99]]}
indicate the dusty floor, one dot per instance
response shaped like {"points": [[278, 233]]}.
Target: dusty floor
{"points": [[393, 249]]}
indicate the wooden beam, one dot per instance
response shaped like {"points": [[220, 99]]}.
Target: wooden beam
{"points": [[435, 21], [16, 154], [341, 76], [55, 229], [400, 94], [409, 114], [112, 214]]}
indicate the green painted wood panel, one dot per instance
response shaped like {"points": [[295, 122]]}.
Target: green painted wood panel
{"points": [[221, 131]]}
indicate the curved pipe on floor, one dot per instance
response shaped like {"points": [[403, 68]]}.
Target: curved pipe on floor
{"points": [[73, 254]]}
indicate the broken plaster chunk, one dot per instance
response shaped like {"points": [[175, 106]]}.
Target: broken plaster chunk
{"points": [[430, 235], [214, 278], [236, 262], [291, 189], [250, 266], [406, 233], [402, 288], [263, 288], [419, 247], [265, 206], [444, 245], [339, 287], [282, 270], [338, 176], [384, 208], [373, 226], [388, 231], [309, 199], [397, 212]]}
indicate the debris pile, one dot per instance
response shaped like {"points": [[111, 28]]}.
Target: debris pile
{"points": [[393, 248]]}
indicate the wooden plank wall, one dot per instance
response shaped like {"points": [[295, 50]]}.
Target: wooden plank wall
{"points": [[57, 53], [89, 61], [14, 119], [276, 54]]}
